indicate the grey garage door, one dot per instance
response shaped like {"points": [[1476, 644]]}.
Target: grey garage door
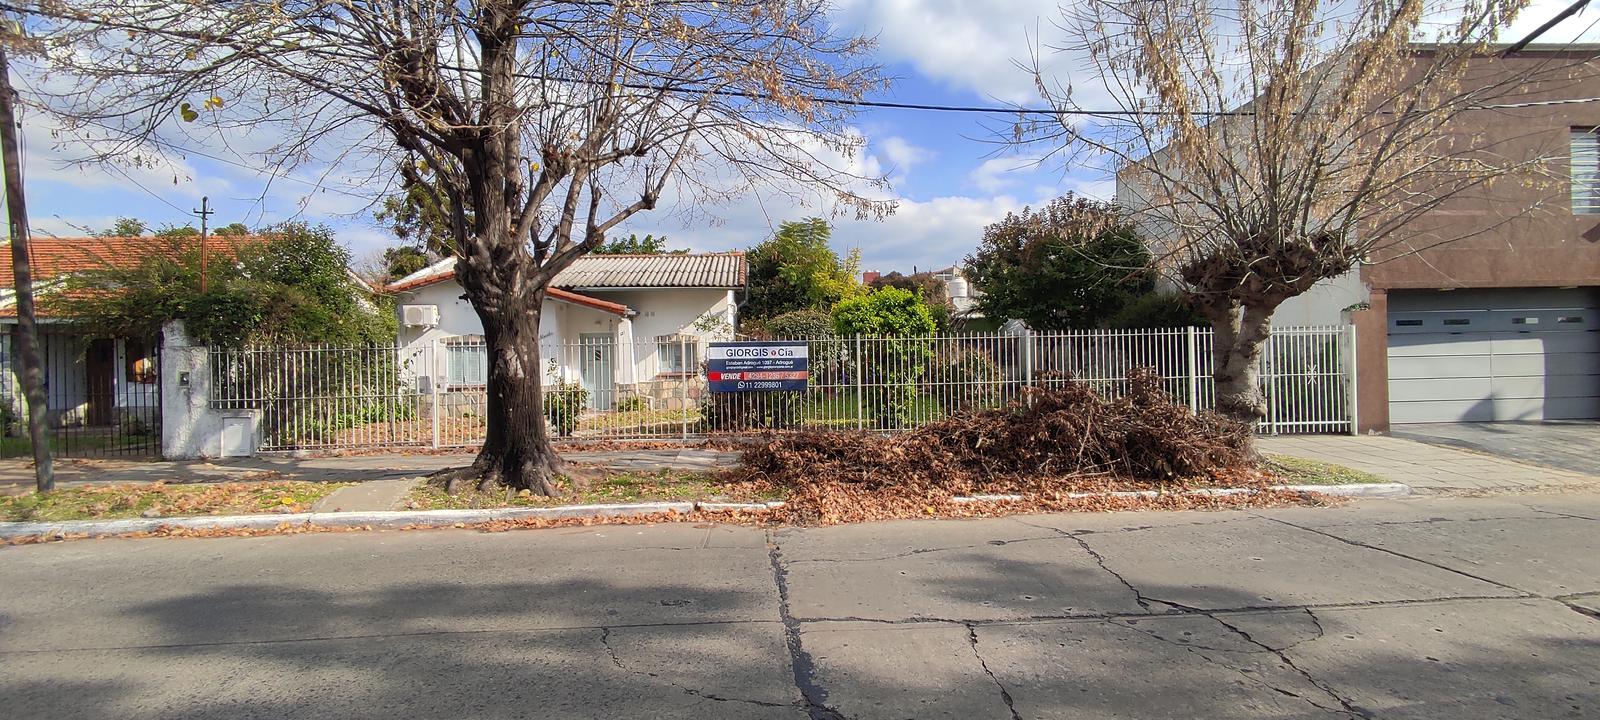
{"points": [[1492, 355]]}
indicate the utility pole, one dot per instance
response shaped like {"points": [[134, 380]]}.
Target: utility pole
{"points": [[27, 337], [205, 213]]}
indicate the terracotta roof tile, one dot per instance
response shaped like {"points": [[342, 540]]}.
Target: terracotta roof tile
{"points": [[54, 257]]}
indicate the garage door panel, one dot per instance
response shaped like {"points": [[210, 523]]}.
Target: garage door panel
{"points": [[1437, 367], [1545, 387], [1571, 408], [1401, 413], [1423, 389], [1484, 355], [1439, 345], [1560, 364], [1543, 342]]}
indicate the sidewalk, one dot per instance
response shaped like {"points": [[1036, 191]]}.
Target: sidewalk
{"points": [[1426, 468], [16, 474]]}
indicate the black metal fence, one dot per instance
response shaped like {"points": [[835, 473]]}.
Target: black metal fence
{"points": [[103, 397]]}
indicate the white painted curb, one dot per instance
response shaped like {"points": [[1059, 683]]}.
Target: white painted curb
{"points": [[1351, 490], [446, 518], [386, 518]]}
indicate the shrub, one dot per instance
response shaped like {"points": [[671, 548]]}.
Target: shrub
{"points": [[893, 364], [563, 403], [739, 412], [1157, 310], [806, 324], [632, 403], [967, 377]]}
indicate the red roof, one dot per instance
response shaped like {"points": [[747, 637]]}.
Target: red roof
{"points": [[52, 257], [554, 293]]}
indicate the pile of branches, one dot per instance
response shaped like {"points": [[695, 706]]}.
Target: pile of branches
{"points": [[1064, 437]]}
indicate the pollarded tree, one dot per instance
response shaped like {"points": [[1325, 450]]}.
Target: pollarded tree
{"points": [[1267, 145], [539, 125]]}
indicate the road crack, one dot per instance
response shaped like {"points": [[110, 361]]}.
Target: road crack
{"points": [[1439, 566], [812, 693], [1348, 705], [605, 641], [1005, 695]]}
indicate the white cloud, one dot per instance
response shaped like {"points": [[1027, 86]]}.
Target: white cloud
{"points": [[969, 45], [997, 174], [902, 155]]}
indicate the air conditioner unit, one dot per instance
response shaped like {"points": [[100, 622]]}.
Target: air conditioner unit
{"points": [[419, 315]]}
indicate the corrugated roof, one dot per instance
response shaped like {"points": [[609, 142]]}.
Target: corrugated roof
{"points": [[442, 272], [708, 270], [699, 270]]}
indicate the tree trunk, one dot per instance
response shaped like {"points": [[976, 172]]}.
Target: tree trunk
{"points": [[516, 452], [1238, 339]]}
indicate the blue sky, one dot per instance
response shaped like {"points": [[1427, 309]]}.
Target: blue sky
{"points": [[949, 174]]}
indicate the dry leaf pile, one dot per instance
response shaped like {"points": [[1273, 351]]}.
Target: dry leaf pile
{"points": [[1060, 439]]}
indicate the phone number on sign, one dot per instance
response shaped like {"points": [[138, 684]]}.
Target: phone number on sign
{"points": [[760, 385]]}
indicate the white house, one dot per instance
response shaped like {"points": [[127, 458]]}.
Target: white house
{"points": [[622, 325]]}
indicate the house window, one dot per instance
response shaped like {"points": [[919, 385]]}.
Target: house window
{"points": [[1585, 170], [139, 365], [467, 361], [678, 355]]}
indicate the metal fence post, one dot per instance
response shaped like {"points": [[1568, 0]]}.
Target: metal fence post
{"points": [[861, 420], [1193, 368], [433, 388], [1026, 338], [1352, 385], [683, 384]]}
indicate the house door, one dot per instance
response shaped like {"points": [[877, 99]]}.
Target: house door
{"points": [[100, 380], [597, 354]]}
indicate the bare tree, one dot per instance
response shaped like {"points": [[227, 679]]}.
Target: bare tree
{"points": [[539, 124], [1267, 145]]}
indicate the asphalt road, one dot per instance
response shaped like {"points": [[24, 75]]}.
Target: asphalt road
{"points": [[1438, 608]]}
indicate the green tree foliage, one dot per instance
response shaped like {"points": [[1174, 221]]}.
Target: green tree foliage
{"points": [[800, 324], [399, 262], [419, 215], [124, 227], [237, 229], [177, 231], [290, 287], [796, 270], [892, 363], [1073, 263], [1157, 310], [634, 245], [926, 285], [886, 312]]}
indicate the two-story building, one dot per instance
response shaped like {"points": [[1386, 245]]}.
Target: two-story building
{"points": [[1502, 321]]}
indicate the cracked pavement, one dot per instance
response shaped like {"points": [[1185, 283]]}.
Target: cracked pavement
{"points": [[1418, 608]]}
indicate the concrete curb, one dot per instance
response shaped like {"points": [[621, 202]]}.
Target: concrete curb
{"points": [[1351, 490], [447, 518]]}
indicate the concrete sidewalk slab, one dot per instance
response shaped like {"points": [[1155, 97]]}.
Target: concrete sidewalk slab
{"points": [[1426, 468], [1567, 445], [377, 495]]}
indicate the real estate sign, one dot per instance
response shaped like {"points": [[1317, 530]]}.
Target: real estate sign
{"points": [[757, 365]]}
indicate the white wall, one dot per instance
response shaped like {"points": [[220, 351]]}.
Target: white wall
{"points": [[671, 311], [1324, 303], [190, 427], [560, 324]]}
